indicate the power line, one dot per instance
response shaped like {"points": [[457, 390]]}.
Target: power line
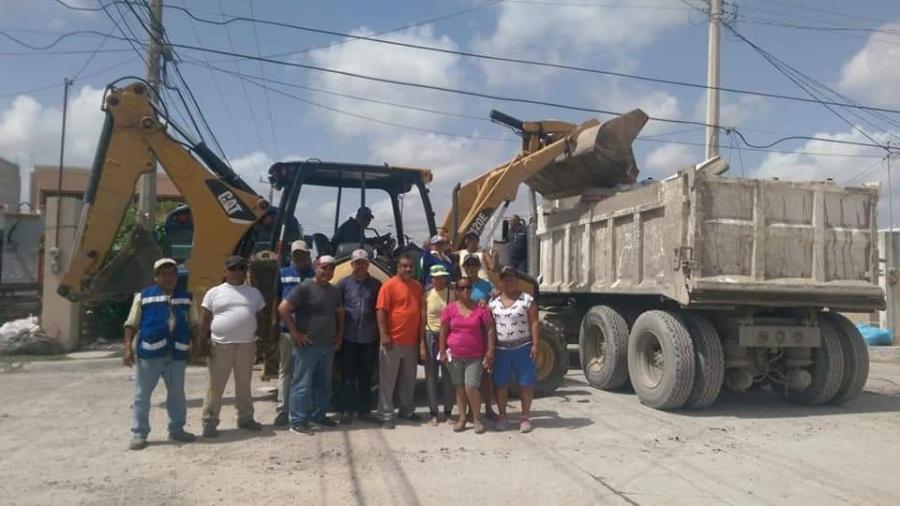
{"points": [[522, 61], [57, 85], [262, 71]]}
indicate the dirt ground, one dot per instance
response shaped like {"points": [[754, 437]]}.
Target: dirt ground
{"points": [[64, 432]]}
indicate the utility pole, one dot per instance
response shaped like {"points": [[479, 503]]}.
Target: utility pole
{"points": [[147, 197], [712, 81], [67, 82]]}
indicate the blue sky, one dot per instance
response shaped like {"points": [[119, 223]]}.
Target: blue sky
{"points": [[659, 38]]}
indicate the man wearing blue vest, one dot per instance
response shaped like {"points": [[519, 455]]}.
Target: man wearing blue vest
{"points": [[158, 331], [300, 270]]}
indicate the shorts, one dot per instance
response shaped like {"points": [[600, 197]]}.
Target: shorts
{"points": [[465, 371], [516, 361]]}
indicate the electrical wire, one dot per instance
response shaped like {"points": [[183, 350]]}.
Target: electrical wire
{"points": [[262, 71], [469, 54], [57, 85]]}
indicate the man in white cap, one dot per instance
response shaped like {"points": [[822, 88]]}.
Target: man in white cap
{"points": [[298, 271], [158, 331], [437, 254], [359, 352], [313, 313]]}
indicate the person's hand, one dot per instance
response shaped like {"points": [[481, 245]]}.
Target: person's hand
{"points": [[535, 352], [300, 339], [338, 342], [489, 361], [128, 357], [386, 342], [423, 354], [442, 357]]}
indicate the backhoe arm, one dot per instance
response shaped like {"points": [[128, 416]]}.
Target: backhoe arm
{"points": [[223, 206], [557, 159]]}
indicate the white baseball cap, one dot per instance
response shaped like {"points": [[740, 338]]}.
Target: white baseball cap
{"points": [[438, 239], [359, 254], [327, 259], [299, 246], [164, 261]]}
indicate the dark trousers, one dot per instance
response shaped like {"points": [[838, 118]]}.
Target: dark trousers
{"points": [[357, 367]]}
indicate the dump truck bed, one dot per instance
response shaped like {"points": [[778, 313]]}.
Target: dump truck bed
{"points": [[703, 240]]}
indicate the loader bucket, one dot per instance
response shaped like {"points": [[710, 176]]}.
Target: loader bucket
{"points": [[127, 272], [601, 156]]}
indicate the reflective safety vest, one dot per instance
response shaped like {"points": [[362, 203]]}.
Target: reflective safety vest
{"points": [[291, 277], [154, 338]]}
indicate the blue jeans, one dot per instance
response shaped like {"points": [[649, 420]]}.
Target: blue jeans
{"points": [[146, 375], [311, 384]]}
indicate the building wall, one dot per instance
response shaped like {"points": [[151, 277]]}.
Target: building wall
{"points": [[10, 185], [45, 182]]}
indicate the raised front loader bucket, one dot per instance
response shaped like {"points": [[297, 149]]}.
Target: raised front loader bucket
{"points": [[129, 271], [601, 156]]}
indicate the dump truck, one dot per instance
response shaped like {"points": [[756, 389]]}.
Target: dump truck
{"points": [[700, 281]]}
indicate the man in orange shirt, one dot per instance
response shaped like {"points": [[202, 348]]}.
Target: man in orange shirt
{"points": [[399, 312]]}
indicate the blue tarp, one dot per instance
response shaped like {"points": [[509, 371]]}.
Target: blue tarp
{"points": [[875, 336]]}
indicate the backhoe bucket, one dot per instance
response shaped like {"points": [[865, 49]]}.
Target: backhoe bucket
{"points": [[127, 272], [601, 156]]}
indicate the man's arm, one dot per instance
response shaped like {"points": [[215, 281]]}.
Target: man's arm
{"points": [[128, 354], [205, 326], [381, 316], [339, 315], [286, 312], [131, 325], [423, 349]]}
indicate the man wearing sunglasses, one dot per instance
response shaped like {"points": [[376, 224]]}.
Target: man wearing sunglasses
{"points": [[229, 319]]}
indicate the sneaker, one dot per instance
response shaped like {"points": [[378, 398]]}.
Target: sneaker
{"points": [[210, 431], [525, 426], [301, 428], [369, 418], [346, 418], [325, 422], [412, 417], [388, 424], [281, 420], [251, 425], [182, 437], [501, 423], [137, 443], [479, 427]]}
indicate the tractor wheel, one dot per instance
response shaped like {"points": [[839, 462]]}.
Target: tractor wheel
{"points": [[661, 360]]}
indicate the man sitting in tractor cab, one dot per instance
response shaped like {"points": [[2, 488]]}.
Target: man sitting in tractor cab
{"points": [[353, 230]]}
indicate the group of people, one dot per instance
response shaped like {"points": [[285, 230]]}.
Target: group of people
{"points": [[473, 338]]}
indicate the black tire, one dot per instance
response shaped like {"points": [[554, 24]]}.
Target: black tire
{"points": [[827, 369], [553, 360], [709, 361], [856, 357], [661, 361], [603, 348]]}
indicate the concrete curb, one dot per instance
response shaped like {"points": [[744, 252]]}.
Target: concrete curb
{"points": [[884, 354]]}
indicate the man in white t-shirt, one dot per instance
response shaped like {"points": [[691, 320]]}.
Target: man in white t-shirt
{"points": [[229, 319]]}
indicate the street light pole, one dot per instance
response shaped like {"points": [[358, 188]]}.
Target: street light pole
{"points": [[712, 81], [147, 196]]}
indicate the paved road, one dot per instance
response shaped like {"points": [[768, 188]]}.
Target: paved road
{"points": [[64, 429]]}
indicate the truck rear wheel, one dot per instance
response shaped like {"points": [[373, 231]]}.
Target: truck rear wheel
{"points": [[856, 357], [709, 361], [661, 361], [552, 361], [603, 348], [827, 369]]}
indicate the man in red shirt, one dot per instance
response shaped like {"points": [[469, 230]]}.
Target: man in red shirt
{"points": [[400, 327]]}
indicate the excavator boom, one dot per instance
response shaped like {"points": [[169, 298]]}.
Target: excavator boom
{"points": [[132, 141], [556, 157]]}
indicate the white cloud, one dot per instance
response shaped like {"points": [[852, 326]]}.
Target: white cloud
{"points": [[668, 159], [398, 63], [571, 35], [872, 73], [31, 130], [254, 169], [623, 98]]}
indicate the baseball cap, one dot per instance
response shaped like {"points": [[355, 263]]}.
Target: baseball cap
{"points": [[359, 254], [327, 259], [471, 257], [163, 261], [508, 270], [437, 271], [438, 239], [471, 233], [299, 245], [234, 260], [364, 212]]}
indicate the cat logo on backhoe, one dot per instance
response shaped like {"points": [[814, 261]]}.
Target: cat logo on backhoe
{"points": [[229, 203]]}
